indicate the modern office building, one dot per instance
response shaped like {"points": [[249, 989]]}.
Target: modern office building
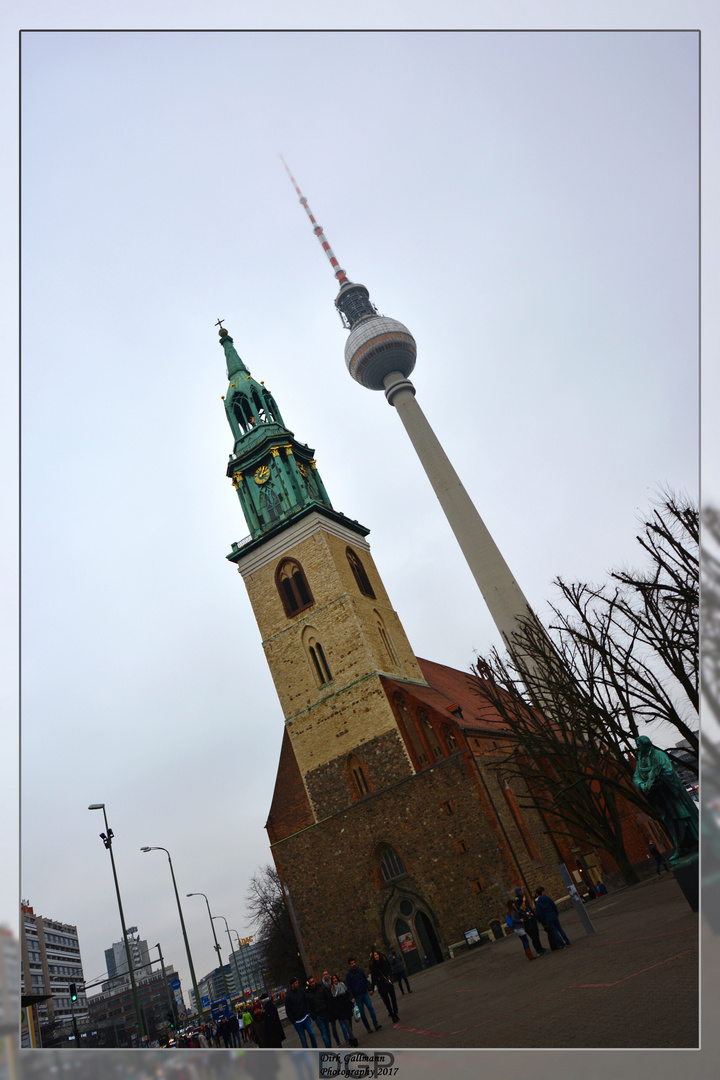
{"points": [[50, 964], [112, 1012], [116, 960]]}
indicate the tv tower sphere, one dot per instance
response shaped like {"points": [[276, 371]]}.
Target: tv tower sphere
{"points": [[376, 347]]}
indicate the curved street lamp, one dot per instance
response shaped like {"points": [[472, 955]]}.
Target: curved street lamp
{"points": [[217, 947], [198, 1003], [107, 839]]}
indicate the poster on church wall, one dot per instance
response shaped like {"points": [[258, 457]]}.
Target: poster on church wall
{"points": [[407, 942]]}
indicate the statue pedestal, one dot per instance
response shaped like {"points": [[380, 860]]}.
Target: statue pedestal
{"points": [[686, 875]]}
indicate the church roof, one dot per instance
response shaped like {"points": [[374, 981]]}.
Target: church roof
{"points": [[449, 688], [290, 810]]}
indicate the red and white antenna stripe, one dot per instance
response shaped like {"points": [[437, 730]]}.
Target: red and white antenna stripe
{"points": [[317, 229]]}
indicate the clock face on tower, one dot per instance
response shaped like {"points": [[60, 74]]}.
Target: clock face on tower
{"points": [[262, 475]]}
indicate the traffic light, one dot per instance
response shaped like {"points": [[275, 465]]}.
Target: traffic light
{"points": [[171, 1020], [73, 992]]}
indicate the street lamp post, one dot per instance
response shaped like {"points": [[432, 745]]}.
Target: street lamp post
{"points": [[107, 839], [217, 947], [232, 952], [198, 1003], [172, 1004]]}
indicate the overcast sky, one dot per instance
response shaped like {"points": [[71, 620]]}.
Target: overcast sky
{"points": [[526, 203]]}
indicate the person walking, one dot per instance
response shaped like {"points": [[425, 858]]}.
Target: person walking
{"points": [[381, 976], [246, 1021], [319, 1002], [529, 921], [274, 1030], [548, 914], [234, 1026], [399, 971], [341, 1011], [297, 1009], [660, 863], [257, 1028], [357, 983], [513, 920]]}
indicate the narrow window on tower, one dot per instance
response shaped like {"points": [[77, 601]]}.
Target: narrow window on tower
{"points": [[431, 735], [411, 733], [449, 737], [316, 655], [359, 573], [293, 587], [519, 818], [386, 640], [357, 776]]}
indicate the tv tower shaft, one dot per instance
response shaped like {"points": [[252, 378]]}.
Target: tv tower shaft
{"points": [[380, 354]]}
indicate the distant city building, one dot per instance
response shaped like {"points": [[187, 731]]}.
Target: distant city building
{"points": [[112, 1012], [50, 963], [212, 986], [685, 761], [116, 961], [250, 961]]}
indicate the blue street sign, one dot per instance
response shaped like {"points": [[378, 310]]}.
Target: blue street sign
{"points": [[175, 984]]}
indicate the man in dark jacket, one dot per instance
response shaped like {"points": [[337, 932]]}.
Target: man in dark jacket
{"points": [[357, 983], [399, 971], [297, 1009], [548, 915], [319, 1002]]}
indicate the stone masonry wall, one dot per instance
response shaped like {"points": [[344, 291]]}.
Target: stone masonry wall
{"points": [[331, 868]]}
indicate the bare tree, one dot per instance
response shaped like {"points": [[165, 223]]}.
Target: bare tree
{"points": [[575, 700], [271, 919], [642, 637], [567, 753]]}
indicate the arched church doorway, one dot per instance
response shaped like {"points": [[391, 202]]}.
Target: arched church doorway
{"points": [[410, 927], [428, 939]]}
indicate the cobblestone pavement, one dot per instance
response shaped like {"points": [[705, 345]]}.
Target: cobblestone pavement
{"points": [[634, 983]]}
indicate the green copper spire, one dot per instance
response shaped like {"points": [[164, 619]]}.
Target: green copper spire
{"points": [[276, 477]]}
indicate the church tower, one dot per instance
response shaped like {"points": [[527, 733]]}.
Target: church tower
{"points": [[328, 628]]}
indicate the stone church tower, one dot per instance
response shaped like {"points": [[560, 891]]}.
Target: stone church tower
{"points": [[328, 629], [390, 823]]}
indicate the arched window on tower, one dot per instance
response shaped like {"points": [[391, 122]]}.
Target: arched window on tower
{"points": [[430, 734], [243, 413], [316, 656], [411, 732], [519, 819], [389, 863], [449, 737], [359, 573], [386, 640], [357, 774], [293, 587]]}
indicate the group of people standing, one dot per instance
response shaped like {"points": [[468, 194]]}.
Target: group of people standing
{"points": [[257, 1022], [334, 1001], [523, 921]]}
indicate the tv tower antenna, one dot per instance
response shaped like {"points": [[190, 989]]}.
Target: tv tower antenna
{"points": [[380, 354], [317, 229]]}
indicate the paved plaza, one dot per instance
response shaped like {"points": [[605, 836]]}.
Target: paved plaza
{"points": [[634, 983]]}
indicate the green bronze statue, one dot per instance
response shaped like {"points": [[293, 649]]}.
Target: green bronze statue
{"points": [[656, 778]]}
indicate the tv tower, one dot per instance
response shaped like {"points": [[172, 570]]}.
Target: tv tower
{"points": [[380, 354]]}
